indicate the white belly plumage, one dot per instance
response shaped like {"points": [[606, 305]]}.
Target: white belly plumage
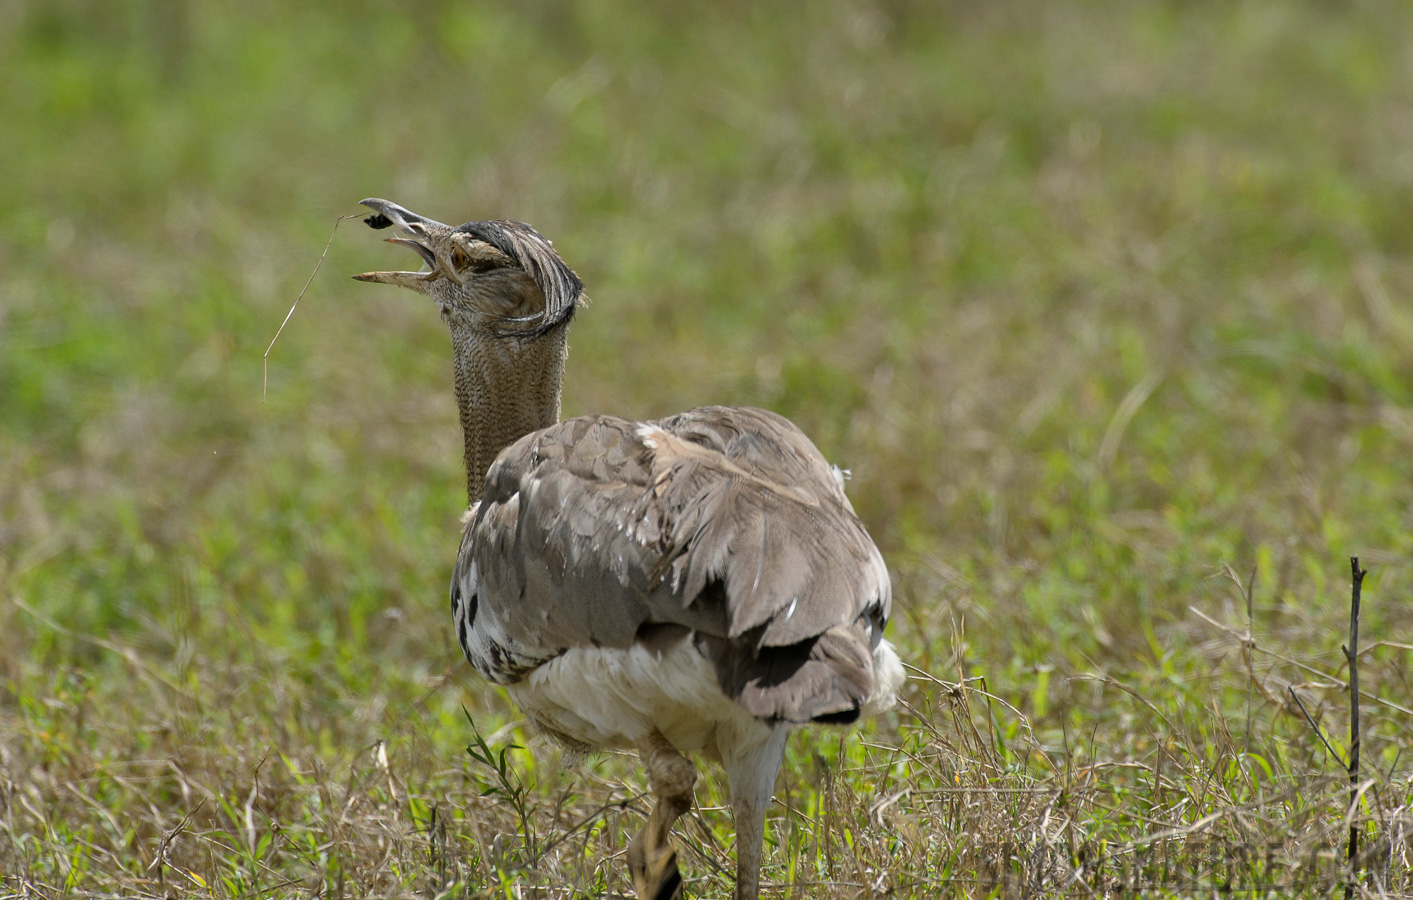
{"points": [[607, 697]]}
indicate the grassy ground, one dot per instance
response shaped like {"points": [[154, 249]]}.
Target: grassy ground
{"points": [[1105, 305]]}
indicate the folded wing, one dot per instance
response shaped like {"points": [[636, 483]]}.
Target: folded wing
{"points": [[724, 521]]}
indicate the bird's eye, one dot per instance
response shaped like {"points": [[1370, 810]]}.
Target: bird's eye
{"points": [[459, 258]]}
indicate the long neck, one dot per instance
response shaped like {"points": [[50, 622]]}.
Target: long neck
{"points": [[505, 389]]}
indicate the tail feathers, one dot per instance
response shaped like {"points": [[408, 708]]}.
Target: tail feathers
{"points": [[888, 679], [828, 678]]}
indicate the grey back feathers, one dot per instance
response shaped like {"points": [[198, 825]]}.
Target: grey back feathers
{"points": [[723, 522]]}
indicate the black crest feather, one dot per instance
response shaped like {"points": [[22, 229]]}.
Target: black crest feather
{"points": [[536, 255]]}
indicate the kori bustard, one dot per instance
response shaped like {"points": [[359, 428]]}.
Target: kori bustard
{"points": [[694, 584]]}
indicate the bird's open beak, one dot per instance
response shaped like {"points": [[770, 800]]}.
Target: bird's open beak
{"points": [[387, 214]]}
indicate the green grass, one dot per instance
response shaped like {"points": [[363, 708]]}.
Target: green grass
{"points": [[1106, 306]]}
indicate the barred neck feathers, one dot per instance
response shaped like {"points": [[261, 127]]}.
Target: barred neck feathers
{"points": [[506, 387]]}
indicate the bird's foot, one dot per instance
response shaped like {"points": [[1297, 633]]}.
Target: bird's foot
{"points": [[654, 869]]}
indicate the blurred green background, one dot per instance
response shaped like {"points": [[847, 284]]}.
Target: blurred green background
{"points": [[1094, 299]]}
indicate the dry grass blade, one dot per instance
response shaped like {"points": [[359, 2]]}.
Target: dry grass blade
{"points": [[265, 381]]}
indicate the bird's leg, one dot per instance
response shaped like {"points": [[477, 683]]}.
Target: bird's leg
{"points": [[752, 774], [652, 860]]}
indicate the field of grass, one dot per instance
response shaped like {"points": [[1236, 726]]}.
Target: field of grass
{"points": [[1107, 306]]}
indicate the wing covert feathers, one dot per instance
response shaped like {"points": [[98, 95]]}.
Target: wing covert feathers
{"points": [[727, 521]]}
